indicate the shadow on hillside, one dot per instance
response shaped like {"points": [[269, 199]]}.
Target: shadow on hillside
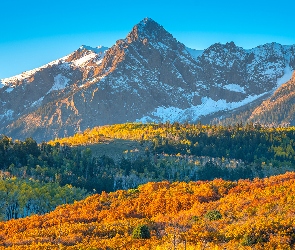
{"points": [[117, 148]]}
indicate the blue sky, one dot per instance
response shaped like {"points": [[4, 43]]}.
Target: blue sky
{"points": [[33, 33]]}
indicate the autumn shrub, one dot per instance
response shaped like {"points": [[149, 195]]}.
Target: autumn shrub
{"points": [[213, 215], [141, 232], [254, 238], [107, 221], [195, 218], [133, 192], [248, 240]]}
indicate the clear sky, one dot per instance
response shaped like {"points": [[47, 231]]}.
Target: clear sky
{"points": [[33, 33]]}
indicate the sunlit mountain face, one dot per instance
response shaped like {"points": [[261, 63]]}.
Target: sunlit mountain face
{"points": [[148, 76]]}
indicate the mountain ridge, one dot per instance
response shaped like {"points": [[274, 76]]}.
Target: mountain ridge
{"points": [[148, 76]]}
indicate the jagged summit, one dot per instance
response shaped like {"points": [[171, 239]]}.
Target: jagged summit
{"points": [[146, 20], [149, 31], [147, 23], [229, 46]]}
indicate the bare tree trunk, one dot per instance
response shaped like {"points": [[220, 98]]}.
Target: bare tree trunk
{"points": [[174, 242]]}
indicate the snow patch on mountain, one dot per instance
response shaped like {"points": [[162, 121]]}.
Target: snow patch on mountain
{"points": [[286, 77], [38, 102], [10, 89], [234, 87], [60, 82], [168, 114], [96, 53], [29, 73], [208, 106], [8, 115], [81, 62], [62, 64], [65, 66]]}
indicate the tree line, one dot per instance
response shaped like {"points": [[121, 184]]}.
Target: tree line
{"points": [[20, 198], [175, 152]]}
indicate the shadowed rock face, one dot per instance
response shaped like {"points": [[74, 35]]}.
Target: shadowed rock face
{"points": [[148, 76]]}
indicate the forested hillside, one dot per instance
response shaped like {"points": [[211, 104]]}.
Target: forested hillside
{"points": [[171, 152], [20, 198], [216, 214], [28, 188], [125, 156]]}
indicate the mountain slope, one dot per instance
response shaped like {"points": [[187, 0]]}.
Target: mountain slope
{"points": [[148, 76], [25, 93], [279, 109], [276, 110]]}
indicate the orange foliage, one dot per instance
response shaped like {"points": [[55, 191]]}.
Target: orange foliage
{"points": [[253, 214]]}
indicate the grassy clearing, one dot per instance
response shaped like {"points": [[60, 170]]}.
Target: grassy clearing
{"points": [[116, 148]]}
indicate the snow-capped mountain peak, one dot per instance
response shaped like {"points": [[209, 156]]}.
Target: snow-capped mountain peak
{"points": [[149, 31], [147, 76]]}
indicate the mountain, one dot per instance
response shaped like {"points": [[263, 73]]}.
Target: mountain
{"points": [[277, 110], [24, 96], [148, 76]]}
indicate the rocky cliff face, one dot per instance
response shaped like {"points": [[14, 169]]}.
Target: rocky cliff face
{"points": [[148, 76]]}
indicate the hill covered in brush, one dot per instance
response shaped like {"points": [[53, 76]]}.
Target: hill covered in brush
{"points": [[216, 214]]}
